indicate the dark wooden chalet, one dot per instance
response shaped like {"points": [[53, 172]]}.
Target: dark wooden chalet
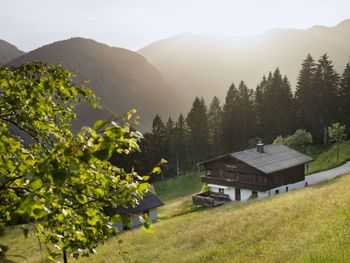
{"points": [[259, 172]]}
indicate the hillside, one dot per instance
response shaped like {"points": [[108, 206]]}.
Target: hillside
{"points": [[121, 78], [8, 52], [308, 225], [205, 65]]}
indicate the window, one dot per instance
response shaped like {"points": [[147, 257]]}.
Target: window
{"points": [[286, 188], [277, 192], [254, 194], [221, 190]]}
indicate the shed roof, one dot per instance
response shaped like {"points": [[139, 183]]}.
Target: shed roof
{"points": [[148, 202], [275, 158]]}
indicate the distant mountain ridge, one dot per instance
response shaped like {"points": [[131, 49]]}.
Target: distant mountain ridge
{"points": [[8, 52], [121, 78], [205, 65]]}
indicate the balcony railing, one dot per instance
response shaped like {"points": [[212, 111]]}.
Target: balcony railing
{"points": [[210, 199]]}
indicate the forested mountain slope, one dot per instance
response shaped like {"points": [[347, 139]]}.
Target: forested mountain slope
{"points": [[121, 78]]}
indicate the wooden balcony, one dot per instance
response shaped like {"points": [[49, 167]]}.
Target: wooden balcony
{"points": [[234, 183], [210, 199]]}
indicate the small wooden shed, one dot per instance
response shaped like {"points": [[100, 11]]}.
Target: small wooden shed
{"points": [[149, 205]]}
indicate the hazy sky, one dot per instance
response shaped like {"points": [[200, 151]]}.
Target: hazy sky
{"points": [[29, 24]]}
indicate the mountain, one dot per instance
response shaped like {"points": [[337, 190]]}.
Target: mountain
{"points": [[8, 52], [205, 65], [121, 78]]}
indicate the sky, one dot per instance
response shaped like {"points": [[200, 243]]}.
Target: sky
{"points": [[132, 24]]}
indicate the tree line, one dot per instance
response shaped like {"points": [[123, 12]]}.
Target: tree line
{"points": [[321, 98]]}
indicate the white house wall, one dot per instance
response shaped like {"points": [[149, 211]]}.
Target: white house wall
{"points": [[153, 214], [246, 193], [230, 191]]}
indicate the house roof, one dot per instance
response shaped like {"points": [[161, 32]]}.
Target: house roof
{"points": [[148, 202], [275, 158]]}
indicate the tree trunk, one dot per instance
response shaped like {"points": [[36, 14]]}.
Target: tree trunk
{"points": [[65, 259], [337, 153]]}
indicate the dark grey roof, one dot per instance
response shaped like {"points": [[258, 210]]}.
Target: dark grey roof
{"points": [[275, 157], [148, 202]]}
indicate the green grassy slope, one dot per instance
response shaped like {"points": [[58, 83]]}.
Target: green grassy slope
{"points": [[325, 157], [176, 194], [178, 187], [308, 225]]}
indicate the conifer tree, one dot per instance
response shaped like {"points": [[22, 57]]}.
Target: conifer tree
{"points": [[229, 136], [170, 147], [197, 122], [260, 107], [275, 100], [306, 96], [245, 123], [158, 141], [326, 86], [180, 143], [214, 122], [344, 94]]}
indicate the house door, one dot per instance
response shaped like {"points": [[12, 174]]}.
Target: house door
{"points": [[238, 194]]}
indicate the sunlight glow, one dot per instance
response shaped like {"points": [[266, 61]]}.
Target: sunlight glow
{"points": [[133, 23]]}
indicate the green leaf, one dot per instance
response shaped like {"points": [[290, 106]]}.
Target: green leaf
{"points": [[156, 170], [115, 219], [148, 229], [92, 220], [36, 184], [80, 236], [99, 124], [38, 211], [102, 155]]}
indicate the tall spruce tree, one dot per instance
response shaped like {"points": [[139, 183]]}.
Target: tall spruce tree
{"points": [[229, 138], [275, 101], [158, 148], [344, 94], [170, 148], [245, 123], [260, 107], [214, 122], [181, 146], [307, 106], [197, 122], [326, 84]]}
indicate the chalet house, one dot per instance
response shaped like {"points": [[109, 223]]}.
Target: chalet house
{"points": [[148, 204], [259, 172]]}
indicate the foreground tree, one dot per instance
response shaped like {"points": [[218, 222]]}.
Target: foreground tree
{"points": [[61, 181], [337, 135]]}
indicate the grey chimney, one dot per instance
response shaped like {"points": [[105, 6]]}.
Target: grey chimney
{"points": [[260, 147]]}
